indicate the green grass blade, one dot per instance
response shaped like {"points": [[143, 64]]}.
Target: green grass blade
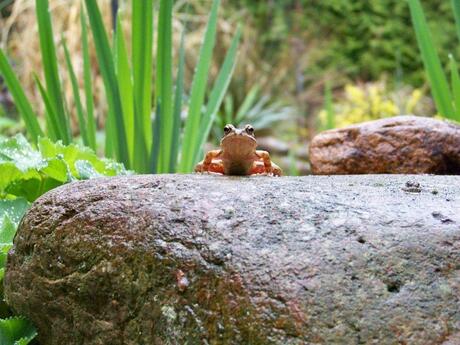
{"points": [[177, 106], [142, 60], [191, 134], [90, 119], [50, 115], [163, 87], [455, 82], [329, 106], [218, 93], [50, 68], [456, 8], [229, 107], [125, 84], [106, 65], [436, 76], [156, 130], [22, 103], [76, 96], [248, 102]]}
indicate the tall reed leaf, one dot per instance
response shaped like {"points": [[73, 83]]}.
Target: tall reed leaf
{"points": [[436, 76], [142, 59], [178, 94], [51, 117], [90, 119], [20, 99], [218, 92], [125, 84], [455, 82], [191, 134], [247, 103], [456, 9], [163, 87], [76, 96], [50, 69], [117, 133]]}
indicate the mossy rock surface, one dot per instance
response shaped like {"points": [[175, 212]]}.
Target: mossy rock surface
{"points": [[191, 259]]}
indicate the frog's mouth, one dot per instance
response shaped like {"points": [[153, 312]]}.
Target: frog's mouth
{"points": [[239, 139]]}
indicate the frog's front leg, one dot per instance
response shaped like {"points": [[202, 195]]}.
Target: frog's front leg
{"points": [[206, 165], [269, 166]]}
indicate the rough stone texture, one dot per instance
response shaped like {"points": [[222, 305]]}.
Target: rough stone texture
{"points": [[191, 259], [397, 145]]}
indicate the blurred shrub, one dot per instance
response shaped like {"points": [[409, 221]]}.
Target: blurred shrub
{"points": [[359, 38], [373, 101]]}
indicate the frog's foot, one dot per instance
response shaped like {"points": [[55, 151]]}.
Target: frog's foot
{"points": [[258, 168], [276, 170], [269, 167], [209, 163]]}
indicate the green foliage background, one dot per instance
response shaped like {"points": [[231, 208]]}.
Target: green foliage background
{"points": [[361, 39]]}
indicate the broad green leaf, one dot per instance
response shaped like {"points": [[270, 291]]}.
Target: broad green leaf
{"points": [[163, 87], [4, 249], [50, 68], [72, 153], [436, 76], [16, 329], [14, 209], [86, 170], [30, 187], [7, 230], [20, 99], [8, 173], [192, 133], [117, 136], [57, 169], [19, 152], [142, 61], [218, 92]]}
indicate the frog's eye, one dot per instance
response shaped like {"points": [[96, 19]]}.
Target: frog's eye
{"points": [[227, 129], [249, 129]]}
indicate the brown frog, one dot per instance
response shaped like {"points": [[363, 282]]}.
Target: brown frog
{"points": [[238, 155]]}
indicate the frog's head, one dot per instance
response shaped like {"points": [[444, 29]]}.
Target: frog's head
{"points": [[239, 137]]}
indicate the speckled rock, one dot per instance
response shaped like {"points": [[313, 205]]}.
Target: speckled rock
{"points": [[396, 145], [190, 259]]}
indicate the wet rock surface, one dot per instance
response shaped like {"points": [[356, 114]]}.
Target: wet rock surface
{"points": [[396, 145], [190, 259]]}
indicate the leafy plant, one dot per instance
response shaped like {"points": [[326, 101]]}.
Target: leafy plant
{"points": [[16, 330], [132, 136], [447, 98], [25, 174], [369, 101]]}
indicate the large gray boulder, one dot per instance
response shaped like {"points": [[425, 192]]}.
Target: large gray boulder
{"points": [[189, 259]]}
